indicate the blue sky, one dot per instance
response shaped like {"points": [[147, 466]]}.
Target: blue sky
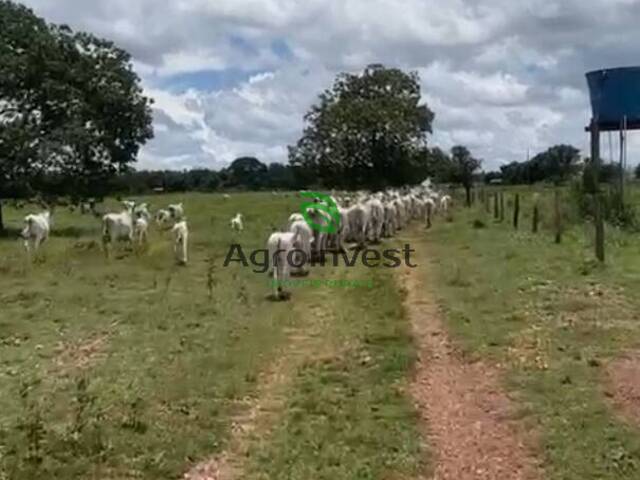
{"points": [[235, 77]]}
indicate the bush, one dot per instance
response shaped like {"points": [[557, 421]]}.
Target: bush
{"points": [[614, 210]]}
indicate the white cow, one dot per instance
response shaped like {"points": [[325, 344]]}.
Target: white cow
{"points": [[400, 213], [340, 238], [180, 241], [141, 224], [141, 230], [36, 230], [389, 220], [118, 226], [176, 211], [430, 209], [358, 217], [237, 223], [128, 204], [163, 217], [305, 235], [376, 219], [445, 202], [280, 246], [293, 218], [320, 238]]}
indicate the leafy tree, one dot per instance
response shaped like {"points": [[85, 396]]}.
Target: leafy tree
{"points": [[609, 173], [281, 177], [368, 130], [464, 168], [70, 105], [440, 166], [246, 172], [555, 164]]}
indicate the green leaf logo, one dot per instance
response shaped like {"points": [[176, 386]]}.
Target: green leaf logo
{"points": [[327, 206]]}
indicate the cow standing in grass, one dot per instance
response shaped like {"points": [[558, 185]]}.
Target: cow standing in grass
{"points": [[180, 241], [281, 246], [36, 230], [237, 223], [176, 212], [118, 227], [305, 242], [141, 224]]}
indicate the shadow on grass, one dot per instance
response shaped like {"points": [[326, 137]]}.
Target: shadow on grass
{"points": [[280, 297], [9, 233], [73, 232]]}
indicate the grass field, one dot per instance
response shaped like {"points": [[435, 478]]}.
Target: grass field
{"points": [[135, 368], [553, 318]]}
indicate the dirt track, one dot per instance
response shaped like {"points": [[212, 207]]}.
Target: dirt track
{"points": [[466, 415]]}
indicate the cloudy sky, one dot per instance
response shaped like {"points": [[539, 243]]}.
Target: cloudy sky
{"points": [[234, 77]]}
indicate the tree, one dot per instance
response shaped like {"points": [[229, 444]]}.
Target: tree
{"points": [[70, 105], [281, 176], [246, 172], [368, 130], [440, 166], [464, 167], [555, 164]]}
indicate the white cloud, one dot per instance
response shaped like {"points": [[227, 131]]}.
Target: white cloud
{"points": [[501, 76]]}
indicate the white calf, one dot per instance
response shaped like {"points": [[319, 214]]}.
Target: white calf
{"points": [[305, 236], [320, 238], [445, 202], [400, 214], [176, 211], [430, 209], [141, 224], [236, 223], [118, 226], [293, 218], [162, 217], [180, 241], [376, 219], [36, 230], [340, 238], [358, 217], [389, 220], [280, 246]]}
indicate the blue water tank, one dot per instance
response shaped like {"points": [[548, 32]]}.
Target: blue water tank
{"points": [[615, 94]]}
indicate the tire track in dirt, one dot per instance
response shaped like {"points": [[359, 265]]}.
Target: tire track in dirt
{"points": [[303, 343], [467, 418], [622, 386]]}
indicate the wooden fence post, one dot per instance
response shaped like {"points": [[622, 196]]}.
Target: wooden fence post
{"points": [[599, 229], [557, 216], [501, 194], [496, 207], [594, 129], [516, 211]]}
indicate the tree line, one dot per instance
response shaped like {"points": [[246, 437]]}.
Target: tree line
{"points": [[556, 164], [73, 117]]}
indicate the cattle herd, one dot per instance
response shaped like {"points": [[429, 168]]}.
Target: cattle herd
{"points": [[129, 225], [359, 218], [362, 217]]}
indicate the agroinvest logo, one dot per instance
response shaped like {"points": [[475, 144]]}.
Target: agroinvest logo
{"points": [[327, 222]]}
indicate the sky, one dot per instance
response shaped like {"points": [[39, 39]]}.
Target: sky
{"points": [[235, 77]]}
